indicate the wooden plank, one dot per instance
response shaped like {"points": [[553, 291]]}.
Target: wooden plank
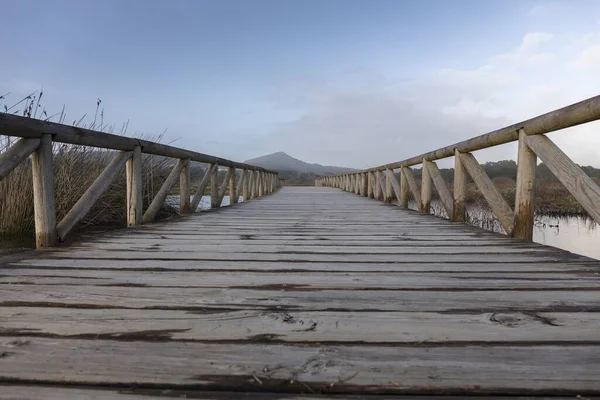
{"points": [[135, 200], [525, 193], [319, 280], [241, 186], [355, 369], [184, 188], [43, 194], [249, 247], [233, 197], [12, 392], [425, 203], [224, 186], [581, 186], [441, 187], [291, 298], [14, 125], [214, 189], [16, 154], [303, 327], [206, 178], [412, 184], [575, 114], [460, 189], [162, 193], [92, 194], [294, 265], [492, 195]]}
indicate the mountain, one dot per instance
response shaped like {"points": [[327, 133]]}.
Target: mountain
{"points": [[281, 161]]}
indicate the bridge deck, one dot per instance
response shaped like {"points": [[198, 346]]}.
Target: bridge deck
{"points": [[306, 290]]}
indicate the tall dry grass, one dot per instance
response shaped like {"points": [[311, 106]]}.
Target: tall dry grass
{"points": [[75, 168]]}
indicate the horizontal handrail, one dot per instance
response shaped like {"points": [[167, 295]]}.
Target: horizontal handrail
{"points": [[14, 125], [533, 144], [37, 138], [566, 117]]}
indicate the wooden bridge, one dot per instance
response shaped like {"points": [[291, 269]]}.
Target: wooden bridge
{"points": [[299, 292]]}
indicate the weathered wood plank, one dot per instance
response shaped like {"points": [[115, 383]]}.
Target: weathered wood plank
{"points": [[412, 184], [16, 154], [316, 280], [135, 200], [184, 188], [43, 194], [581, 186], [92, 194], [206, 178], [492, 195], [291, 298], [162, 193], [491, 369], [441, 187], [298, 326]]}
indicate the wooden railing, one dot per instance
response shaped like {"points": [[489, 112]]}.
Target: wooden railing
{"points": [[532, 144], [36, 138]]}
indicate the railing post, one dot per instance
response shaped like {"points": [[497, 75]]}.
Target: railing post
{"points": [[260, 183], [377, 188], [133, 169], [388, 185], [525, 196], [425, 188], [43, 194], [214, 189], [460, 187], [370, 192], [233, 199], [184, 188], [403, 188]]}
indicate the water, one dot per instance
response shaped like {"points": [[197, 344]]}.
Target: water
{"points": [[173, 200], [575, 234]]}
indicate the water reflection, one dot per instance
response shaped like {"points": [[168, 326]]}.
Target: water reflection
{"points": [[575, 234]]}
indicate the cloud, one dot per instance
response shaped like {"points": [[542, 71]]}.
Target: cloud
{"points": [[377, 119]]}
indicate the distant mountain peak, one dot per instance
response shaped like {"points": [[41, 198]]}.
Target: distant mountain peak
{"points": [[281, 161]]}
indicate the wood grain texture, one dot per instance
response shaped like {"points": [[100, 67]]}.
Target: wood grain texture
{"points": [[214, 189], [460, 189], [441, 187], [135, 201], [16, 154], [425, 188], [580, 185], [412, 184], [14, 125], [206, 179], [162, 193], [185, 188], [525, 192], [92, 194], [342, 369], [232, 187], [43, 194], [492, 195], [304, 288]]}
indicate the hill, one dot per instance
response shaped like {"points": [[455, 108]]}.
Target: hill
{"points": [[281, 162]]}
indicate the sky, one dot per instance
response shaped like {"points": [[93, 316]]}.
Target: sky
{"points": [[337, 82]]}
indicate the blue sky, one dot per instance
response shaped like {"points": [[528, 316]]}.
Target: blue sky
{"points": [[348, 82]]}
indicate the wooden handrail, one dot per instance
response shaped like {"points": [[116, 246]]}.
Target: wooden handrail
{"points": [[14, 125], [532, 144], [566, 117], [36, 140]]}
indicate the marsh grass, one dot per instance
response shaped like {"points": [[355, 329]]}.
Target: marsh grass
{"points": [[75, 168]]}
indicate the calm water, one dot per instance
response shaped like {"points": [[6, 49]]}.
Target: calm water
{"points": [[575, 234]]}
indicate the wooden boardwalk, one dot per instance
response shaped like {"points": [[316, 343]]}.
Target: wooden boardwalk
{"points": [[306, 291]]}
